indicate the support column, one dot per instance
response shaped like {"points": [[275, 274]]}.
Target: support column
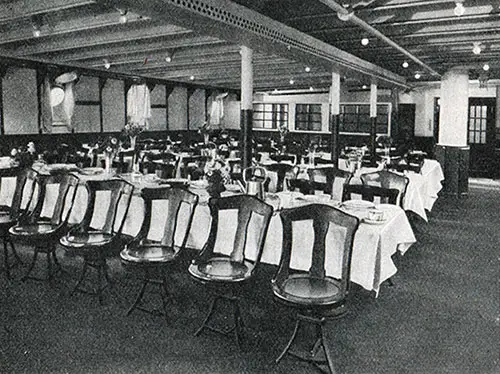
{"points": [[452, 150], [373, 122], [246, 116], [335, 118]]}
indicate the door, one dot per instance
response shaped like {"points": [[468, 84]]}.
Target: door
{"points": [[481, 135]]}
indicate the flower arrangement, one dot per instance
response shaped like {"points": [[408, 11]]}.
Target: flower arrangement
{"points": [[132, 129], [110, 146], [384, 141], [283, 129], [217, 173]]}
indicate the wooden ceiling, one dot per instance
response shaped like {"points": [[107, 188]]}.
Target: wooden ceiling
{"points": [[203, 38]]}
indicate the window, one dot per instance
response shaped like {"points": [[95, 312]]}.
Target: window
{"points": [[308, 117], [477, 124], [270, 116], [355, 118]]}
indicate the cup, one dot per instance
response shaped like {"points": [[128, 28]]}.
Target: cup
{"points": [[375, 215]]}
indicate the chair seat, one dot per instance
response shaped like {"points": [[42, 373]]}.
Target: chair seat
{"points": [[305, 290], [221, 269], [88, 239], [151, 253], [6, 221], [34, 230]]}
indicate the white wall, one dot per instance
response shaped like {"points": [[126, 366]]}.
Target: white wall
{"points": [[113, 105], [177, 109], [20, 103]]}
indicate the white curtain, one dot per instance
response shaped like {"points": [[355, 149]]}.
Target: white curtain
{"points": [[139, 104], [217, 111], [69, 103]]}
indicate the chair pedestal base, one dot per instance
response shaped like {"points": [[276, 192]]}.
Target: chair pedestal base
{"points": [[238, 326], [6, 255], [320, 343], [53, 265], [103, 278], [163, 290]]}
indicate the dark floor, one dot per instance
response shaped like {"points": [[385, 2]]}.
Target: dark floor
{"points": [[442, 315]]}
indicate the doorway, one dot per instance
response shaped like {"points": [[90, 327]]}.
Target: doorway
{"points": [[481, 136]]}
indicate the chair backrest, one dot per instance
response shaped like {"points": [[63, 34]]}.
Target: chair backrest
{"points": [[281, 170], [176, 221], [329, 180], [291, 159], [67, 184], [324, 218], [120, 195], [387, 179], [22, 188], [247, 207], [369, 193]]}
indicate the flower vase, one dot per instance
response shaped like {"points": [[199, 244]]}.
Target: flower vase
{"points": [[133, 141], [108, 163], [387, 154], [206, 138]]}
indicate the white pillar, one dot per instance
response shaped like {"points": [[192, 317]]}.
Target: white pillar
{"points": [[454, 107], [246, 78], [334, 98]]}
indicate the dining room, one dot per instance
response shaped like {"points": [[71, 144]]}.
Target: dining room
{"points": [[240, 186]]}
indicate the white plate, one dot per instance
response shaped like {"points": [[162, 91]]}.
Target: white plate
{"points": [[232, 187], [357, 204], [91, 171], [370, 222], [176, 180], [199, 184]]}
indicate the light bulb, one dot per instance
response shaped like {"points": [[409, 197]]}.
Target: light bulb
{"points": [[191, 77], [168, 59], [311, 88], [459, 9], [365, 41], [417, 75], [476, 49], [107, 64], [364, 87], [307, 69], [292, 81], [405, 64], [36, 33], [486, 67]]}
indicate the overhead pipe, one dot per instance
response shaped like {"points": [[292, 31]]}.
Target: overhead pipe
{"points": [[344, 14]]}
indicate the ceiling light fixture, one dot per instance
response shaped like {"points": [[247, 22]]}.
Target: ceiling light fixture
{"points": [[476, 48], [123, 16], [107, 64], [168, 58], [365, 41], [486, 67], [307, 69], [191, 77], [459, 8], [311, 88], [36, 22], [36, 32], [405, 64], [345, 16], [292, 81], [417, 76]]}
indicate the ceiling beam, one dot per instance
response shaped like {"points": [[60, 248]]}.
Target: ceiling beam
{"points": [[13, 10], [232, 22]]}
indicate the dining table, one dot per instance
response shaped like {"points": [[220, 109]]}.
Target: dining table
{"points": [[375, 243]]}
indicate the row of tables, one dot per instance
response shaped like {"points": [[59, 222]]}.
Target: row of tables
{"points": [[374, 244]]}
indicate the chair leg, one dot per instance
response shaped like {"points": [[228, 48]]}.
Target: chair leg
{"points": [[290, 342], [138, 299], [82, 277], [32, 265], [13, 249], [328, 355], [238, 322], [208, 316], [6, 258]]}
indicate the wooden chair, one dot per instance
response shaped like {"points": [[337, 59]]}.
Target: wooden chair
{"points": [[313, 294], [154, 257], [225, 274], [42, 231], [9, 214], [387, 179], [372, 193], [329, 180], [94, 244], [281, 169]]}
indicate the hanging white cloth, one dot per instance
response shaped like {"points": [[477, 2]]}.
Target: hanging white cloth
{"points": [[139, 104], [217, 111], [69, 103]]}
